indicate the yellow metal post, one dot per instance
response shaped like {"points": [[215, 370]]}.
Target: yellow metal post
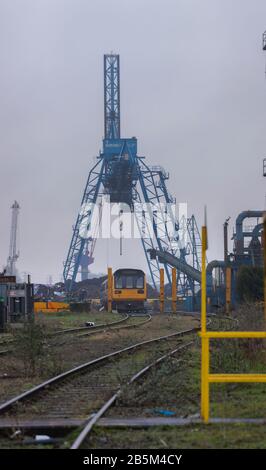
{"points": [[109, 289], [264, 261], [161, 290], [205, 379], [228, 273], [204, 340], [203, 279], [174, 300]]}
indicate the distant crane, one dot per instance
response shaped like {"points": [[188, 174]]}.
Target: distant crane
{"points": [[13, 249]]}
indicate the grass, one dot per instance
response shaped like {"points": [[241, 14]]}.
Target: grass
{"points": [[70, 319], [211, 436]]}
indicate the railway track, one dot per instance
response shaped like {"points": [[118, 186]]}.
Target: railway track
{"points": [[225, 323], [86, 429], [91, 328], [82, 395], [120, 327], [83, 391], [63, 331], [228, 322], [101, 328]]}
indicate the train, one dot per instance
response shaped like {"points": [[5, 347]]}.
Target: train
{"points": [[129, 291]]}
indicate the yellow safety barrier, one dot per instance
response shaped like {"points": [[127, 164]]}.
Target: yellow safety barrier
{"points": [[57, 305], [228, 280], [38, 306], [206, 376], [109, 289], [174, 290], [50, 307]]}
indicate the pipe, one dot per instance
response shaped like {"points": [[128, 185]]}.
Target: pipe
{"points": [[179, 264], [210, 267], [226, 239], [239, 228], [215, 264]]}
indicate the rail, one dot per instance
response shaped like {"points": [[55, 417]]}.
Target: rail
{"points": [[108, 327], [82, 328]]}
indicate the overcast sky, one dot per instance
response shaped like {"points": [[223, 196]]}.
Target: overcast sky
{"points": [[193, 91]]}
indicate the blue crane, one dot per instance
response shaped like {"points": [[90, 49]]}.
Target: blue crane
{"points": [[126, 178]]}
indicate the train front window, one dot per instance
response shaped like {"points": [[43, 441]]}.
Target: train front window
{"points": [[139, 282], [118, 282], [129, 282]]}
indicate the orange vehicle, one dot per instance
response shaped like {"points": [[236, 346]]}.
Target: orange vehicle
{"points": [[129, 290]]}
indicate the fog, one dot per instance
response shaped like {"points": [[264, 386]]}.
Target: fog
{"points": [[193, 92]]}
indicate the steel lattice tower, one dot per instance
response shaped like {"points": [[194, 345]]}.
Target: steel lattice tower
{"points": [[111, 97], [126, 178]]}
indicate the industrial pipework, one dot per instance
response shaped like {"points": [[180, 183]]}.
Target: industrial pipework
{"points": [[239, 236]]}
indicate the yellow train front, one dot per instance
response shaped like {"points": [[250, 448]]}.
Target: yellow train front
{"points": [[129, 290]]}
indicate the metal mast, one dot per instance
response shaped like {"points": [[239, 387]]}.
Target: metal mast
{"points": [[13, 249], [111, 97]]}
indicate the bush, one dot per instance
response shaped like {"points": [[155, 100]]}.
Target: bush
{"points": [[29, 344], [249, 283], [36, 349]]}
